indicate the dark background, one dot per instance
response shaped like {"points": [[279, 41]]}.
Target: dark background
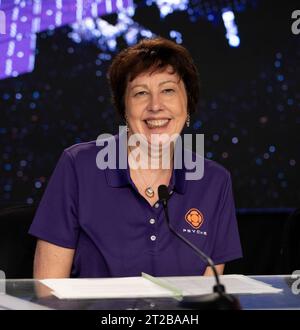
{"points": [[250, 92]]}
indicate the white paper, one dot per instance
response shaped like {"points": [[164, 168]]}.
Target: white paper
{"points": [[139, 287], [234, 284], [123, 287]]}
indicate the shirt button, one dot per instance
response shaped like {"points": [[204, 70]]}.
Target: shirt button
{"points": [[156, 205], [152, 221], [153, 238]]}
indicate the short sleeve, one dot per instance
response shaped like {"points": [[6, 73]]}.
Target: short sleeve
{"points": [[56, 219], [227, 244]]}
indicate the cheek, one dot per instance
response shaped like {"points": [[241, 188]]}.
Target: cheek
{"points": [[180, 110], [131, 110]]}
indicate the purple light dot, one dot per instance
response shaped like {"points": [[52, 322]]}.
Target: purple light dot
{"points": [[23, 163], [235, 140], [277, 64], [272, 149], [216, 137], [18, 96], [29, 200]]}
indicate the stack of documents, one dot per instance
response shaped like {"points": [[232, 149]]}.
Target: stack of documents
{"points": [[147, 286]]}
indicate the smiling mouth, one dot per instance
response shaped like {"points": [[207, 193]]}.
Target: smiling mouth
{"points": [[156, 123]]}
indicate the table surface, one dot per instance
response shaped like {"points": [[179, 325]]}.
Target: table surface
{"points": [[29, 294]]}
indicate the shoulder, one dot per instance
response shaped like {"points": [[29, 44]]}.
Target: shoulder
{"points": [[212, 168], [78, 150], [87, 150]]}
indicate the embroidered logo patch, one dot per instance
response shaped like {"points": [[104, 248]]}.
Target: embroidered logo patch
{"points": [[195, 218]]}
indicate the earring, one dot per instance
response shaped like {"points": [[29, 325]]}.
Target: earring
{"points": [[126, 124], [188, 120]]}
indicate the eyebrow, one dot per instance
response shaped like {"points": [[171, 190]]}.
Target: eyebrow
{"points": [[161, 83]]}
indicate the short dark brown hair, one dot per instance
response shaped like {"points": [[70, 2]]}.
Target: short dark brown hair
{"points": [[152, 55]]}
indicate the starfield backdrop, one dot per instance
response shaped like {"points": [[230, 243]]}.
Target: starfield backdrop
{"points": [[54, 57]]}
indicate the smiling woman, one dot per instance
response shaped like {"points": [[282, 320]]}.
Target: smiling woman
{"points": [[109, 222]]}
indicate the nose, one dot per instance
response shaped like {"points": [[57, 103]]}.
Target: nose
{"points": [[155, 102]]}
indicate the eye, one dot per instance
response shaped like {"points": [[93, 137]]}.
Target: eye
{"points": [[140, 93], [168, 91]]}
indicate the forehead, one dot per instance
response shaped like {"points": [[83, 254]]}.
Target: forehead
{"points": [[167, 74]]}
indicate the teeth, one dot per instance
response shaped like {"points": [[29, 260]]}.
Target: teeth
{"points": [[157, 123]]}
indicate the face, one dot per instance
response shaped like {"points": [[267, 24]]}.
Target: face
{"points": [[156, 103]]}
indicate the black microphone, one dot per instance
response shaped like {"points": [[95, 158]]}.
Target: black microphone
{"points": [[219, 299]]}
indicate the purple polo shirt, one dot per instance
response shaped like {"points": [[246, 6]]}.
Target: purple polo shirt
{"points": [[114, 230]]}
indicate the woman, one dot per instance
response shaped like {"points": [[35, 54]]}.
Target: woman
{"points": [[109, 222]]}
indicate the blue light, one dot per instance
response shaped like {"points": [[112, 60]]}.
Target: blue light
{"points": [[234, 41], [277, 64], [231, 28], [35, 95], [7, 167], [176, 35], [197, 124], [209, 154], [280, 77], [258, 161], [235, 140], [38, 184], [32, 105], [272, 149], [18, 96], [7, 187], [210, 17]]}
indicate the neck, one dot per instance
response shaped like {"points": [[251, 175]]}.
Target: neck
{"points": [[151, 157]]}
